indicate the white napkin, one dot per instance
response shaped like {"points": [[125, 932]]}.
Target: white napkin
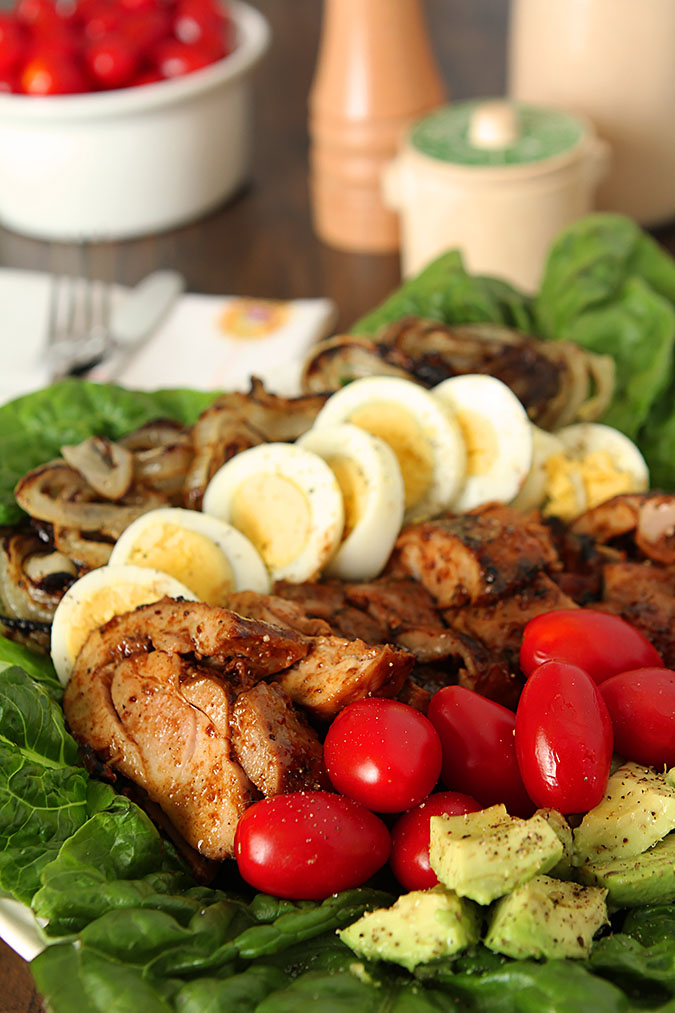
{"points": [[219, 342], [24, 312], [204, 342]]}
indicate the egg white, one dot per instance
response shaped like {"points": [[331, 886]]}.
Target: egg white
{"points": [[497, 434], [97, 597], [208, 556], [419, 428], [287, 501], [533, 492], [373, 493]]}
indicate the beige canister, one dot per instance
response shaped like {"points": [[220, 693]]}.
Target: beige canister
{"points": [[496, 179], [613, 61]]}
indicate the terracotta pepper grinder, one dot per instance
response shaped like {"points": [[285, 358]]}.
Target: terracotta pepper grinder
{"points": [[375, 74]]}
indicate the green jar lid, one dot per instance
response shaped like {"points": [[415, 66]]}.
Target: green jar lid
{"points": [[488, 132]]}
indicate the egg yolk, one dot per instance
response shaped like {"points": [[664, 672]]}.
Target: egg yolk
{"points": [[189, 556], [603, 479], [354, 487], [273, 512], [480, 440], [564, 488], [577, 485], [397, 427], [100, 606]]}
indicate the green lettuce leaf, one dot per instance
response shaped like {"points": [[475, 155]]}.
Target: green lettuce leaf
{"points": [[444, 290], [638, 330], [33, 428], [38, 666], [588, 265]]}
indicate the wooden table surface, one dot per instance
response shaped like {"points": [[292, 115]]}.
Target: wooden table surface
{"points": [[261, 243]]}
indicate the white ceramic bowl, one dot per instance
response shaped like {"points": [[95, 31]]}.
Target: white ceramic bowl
{"points": [[126, 163]]}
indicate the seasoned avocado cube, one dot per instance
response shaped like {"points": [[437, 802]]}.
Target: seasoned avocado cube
{"points": [[637, 811], [419, 927], [648, 878], [547, 918], [483, 855], [558, 823]]}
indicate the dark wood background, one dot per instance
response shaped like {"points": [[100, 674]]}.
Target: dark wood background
{"points": [[261, 243]]}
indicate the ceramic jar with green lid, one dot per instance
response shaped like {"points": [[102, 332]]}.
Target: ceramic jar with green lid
{"points": [[496, 179]]}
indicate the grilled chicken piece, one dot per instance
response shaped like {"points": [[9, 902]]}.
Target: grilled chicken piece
{"points": [[327, 600], [338, 671], [499, 624], [648, 517], [228, 642], [457, 657], [133, 713], [274, 744], [475, 557], [394, 603], [238, 421], [268, 608], [644, 596], [151, 694]]}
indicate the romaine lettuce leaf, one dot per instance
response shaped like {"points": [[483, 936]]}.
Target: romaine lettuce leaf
{"points": [[444, 290]]}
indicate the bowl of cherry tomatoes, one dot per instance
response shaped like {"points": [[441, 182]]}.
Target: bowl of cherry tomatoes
{"points": [[120, 118]]}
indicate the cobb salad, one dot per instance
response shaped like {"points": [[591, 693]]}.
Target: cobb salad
{"points": [[126, 918]]}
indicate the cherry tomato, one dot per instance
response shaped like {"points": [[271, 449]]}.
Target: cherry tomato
{"points": [[12, 44], [111, 61], [174, 58], [599, 642], [52, 73], [563, 738], [641, 705], [479, 756], [34, 12], [382, 753], [410, 837], [309, 844], [145, 27]]}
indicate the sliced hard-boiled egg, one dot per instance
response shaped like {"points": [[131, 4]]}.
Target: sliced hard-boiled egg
{"points": [[287, 502], [418, 427], [97, 597], [497, 434], [609, 462], [372, 490], [210, 557], [534, 490]]}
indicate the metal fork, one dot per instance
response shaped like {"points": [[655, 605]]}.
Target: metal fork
{"points": [[78, 333]]}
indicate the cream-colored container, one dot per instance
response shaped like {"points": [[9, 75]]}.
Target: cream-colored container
{"points": [[613, 61], [496, 179]]}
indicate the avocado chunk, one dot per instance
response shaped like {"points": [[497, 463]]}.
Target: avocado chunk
{"points": [[483, 855], [419, 927], [563, 869], [637, 811], [648, 878], [547, 918]]}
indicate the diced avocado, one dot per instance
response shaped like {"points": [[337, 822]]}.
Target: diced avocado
{"points": [[637, 811], [547, 918], [483, 855], [419, 927], [648, 878], [556, 820]]}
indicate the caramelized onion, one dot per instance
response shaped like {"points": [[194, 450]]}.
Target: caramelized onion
{"points": [[59, 494], [106, 466]]}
